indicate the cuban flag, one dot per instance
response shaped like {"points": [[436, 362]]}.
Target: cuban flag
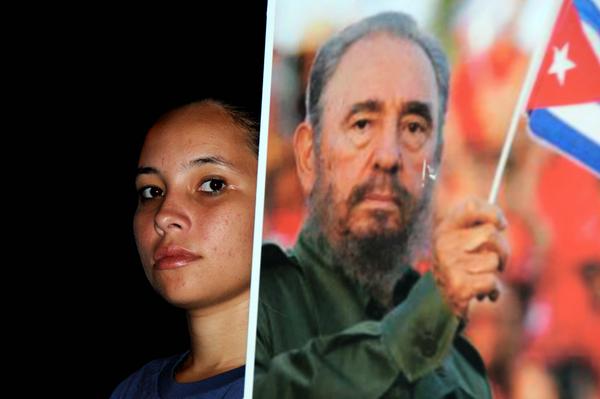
{"points": [[564, 105]]}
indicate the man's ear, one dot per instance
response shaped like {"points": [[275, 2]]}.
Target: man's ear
{"points": [[306, 162]]}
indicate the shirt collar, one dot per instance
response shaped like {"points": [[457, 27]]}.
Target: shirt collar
{"points": [[313, 250]]}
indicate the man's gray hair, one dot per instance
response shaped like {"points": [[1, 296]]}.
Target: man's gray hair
{"points": [[394, 23]]}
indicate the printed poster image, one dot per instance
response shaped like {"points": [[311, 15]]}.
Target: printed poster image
{"points": [[368, 155]]}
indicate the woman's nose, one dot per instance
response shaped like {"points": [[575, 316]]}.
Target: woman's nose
{"points": [[171, 216]]}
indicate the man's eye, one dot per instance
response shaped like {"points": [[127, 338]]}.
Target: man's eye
{"points": [[415, 133], [149, 192], [361, 123], [213, 186], [415, 127]]}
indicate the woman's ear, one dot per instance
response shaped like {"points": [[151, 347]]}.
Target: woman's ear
{"points": [[304, 153]]}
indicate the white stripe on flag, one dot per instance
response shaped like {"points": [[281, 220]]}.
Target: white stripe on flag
{"points": [[585, 118], [593, 38]]}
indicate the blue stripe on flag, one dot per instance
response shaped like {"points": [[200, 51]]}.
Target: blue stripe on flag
{"points": [[553, 130], [588, 12]]}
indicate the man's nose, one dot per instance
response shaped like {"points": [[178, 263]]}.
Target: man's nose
{"points": [[387, 152], [171, 215]]}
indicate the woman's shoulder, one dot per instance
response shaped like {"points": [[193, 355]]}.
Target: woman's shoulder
{"points": [[144, 382]]}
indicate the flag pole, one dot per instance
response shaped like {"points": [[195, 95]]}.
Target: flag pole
{"points": [[534, 66]]}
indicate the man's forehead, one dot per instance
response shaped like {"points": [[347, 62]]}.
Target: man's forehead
{"points": [[382, 68]]}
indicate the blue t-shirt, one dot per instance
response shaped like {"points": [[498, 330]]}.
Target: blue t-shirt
{"points": [[157, 380]]}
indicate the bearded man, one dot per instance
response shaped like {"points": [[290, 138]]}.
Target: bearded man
{"points": [[344, 314]]}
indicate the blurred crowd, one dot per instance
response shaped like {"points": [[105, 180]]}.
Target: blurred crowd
{"points": [[542, 338]]}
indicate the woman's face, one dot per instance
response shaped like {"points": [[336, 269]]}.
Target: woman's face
{"points": [[193, 225]]}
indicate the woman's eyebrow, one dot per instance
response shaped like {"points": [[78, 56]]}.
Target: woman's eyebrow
{"points": [[146, 170], [212, 159]]}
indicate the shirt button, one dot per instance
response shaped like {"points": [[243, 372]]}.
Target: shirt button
{"points": [[428, 346]]}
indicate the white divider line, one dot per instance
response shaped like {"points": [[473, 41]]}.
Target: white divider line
{"points": [[260, 199]]}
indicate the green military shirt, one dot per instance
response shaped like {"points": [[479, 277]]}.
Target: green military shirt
{"points": [[318, 335]]}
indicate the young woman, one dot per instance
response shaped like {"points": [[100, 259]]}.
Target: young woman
{"points": [[193, 227]]}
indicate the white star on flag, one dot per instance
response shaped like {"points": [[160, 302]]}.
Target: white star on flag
{"points": [[561, 63]]}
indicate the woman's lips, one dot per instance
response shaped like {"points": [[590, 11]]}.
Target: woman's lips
{"points": [[172, 257]]}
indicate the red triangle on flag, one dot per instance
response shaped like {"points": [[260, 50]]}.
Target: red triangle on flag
{"points": [[570, 70]]}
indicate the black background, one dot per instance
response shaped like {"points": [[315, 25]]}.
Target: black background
{"points": [[88, 88]]}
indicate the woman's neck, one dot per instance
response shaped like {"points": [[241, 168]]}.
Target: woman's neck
{"points": [[218, 340]]}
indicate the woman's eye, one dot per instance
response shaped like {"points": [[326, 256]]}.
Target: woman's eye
{"points": [[149, 192], [213, 186]]}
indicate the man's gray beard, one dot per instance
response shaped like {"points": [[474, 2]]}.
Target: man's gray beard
{"points": [[378, 259]]}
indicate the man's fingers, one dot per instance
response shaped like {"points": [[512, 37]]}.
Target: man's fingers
{"points": [[486, 239], [498, 243], [486, 285], [471, 213], [470, 249], [475, 237], [485, 262], [480, 239], [494, 295]]}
